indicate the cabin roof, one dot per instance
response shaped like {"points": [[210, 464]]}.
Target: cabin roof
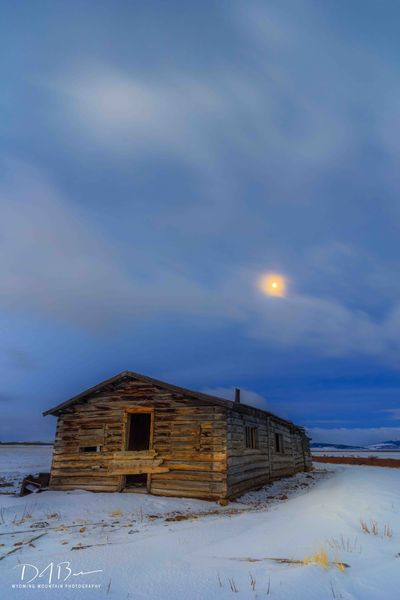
{"points": [[206, 398]]}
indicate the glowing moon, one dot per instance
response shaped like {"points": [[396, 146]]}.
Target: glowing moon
{"points": [[272, 284]]}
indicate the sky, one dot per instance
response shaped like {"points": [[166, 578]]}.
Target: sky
{"points": [[157, 159]]}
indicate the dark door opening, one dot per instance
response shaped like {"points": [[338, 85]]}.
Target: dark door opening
{"points": [[136, 481], [138, 440], [139, 428]]}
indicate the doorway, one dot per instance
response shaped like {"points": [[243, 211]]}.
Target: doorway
{"points": [[138, 439], [139, 431]]}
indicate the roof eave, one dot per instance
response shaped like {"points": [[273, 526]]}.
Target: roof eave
{"points": [[229, 404], [57, 409]]}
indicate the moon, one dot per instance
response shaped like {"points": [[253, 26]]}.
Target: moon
{"points": [[272, 284]]}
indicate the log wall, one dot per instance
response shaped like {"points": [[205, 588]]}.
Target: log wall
{"points": [[252, 468], [188, 455], [197, 448], [247, 467]]}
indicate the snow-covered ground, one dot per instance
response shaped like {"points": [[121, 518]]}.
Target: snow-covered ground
{"points": [[18, 461], [358, 453], [142, 547]]}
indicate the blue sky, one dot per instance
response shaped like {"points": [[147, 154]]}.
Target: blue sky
{"points": [[156, 158]]}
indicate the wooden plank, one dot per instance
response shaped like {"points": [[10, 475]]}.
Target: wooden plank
{"points": [[137, 470], [135, 455], [121, 464]]}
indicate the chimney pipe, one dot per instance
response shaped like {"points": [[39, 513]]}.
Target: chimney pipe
{"points": [[237, 395]]}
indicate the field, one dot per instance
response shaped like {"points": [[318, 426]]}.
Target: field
{"points": [[359, 453], [372, 458], [18, 461], [331, 534]]}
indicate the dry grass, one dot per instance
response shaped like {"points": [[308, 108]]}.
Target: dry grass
{"points": [[56, 516], [345, 544], [252, 582], [26, 516], [232, 585], [372, 528], [339, 565], [354, 460], [319, 558], [219, 580], [335, 594], [387, 532]]}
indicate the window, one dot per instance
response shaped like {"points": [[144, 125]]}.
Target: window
{"points": [[279, 443], [139, 427], [250, 437], [90, 449]]}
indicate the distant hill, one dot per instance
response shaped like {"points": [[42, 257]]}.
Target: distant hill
{"points": [[26, 443], [323, 446], [389, 445]]}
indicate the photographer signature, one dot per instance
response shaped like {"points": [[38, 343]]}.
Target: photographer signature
{"points": [[56, 573]]}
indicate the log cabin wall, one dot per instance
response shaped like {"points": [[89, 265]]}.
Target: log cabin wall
{"points": [[197, 446], [247, 467], [188, 450], [280, 450]]}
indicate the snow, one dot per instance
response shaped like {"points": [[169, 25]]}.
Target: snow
{"points": [[18, 461], [144, 552]]}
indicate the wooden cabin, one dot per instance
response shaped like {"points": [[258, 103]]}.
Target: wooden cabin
{"points": [[134, 433]]}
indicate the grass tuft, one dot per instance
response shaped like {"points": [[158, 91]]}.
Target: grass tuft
{"points": [[232, 585], [372, 528], [319, 558]]}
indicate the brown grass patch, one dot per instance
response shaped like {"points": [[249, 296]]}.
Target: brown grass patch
{"points": [[370, 461]]}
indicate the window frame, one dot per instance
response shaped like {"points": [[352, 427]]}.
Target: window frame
{"points": [[279, 443], [85, 449], [251, 440]]}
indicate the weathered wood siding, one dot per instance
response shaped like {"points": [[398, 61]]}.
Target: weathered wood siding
{"points": [[282, 463], [198, 448], [188, 456], [247, 467], [251, 468]]}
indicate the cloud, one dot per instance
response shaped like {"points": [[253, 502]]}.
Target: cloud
{"points": [[285, 112], [356, 436], [20, 359], [208, 123], [326, 327], [226, 122], [51, 262], [134, 115], [26, 426], [57, 265], [266, 138], [246, 396], [289, 121], [393, 413]]}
